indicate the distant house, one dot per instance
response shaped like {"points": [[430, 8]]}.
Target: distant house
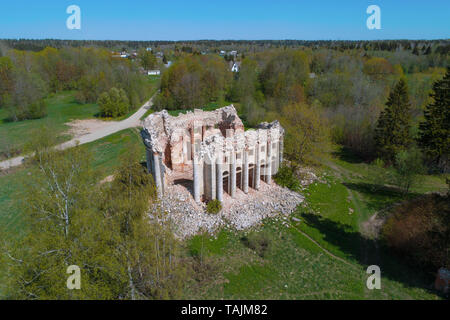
{"points": [[153, 72], [222, 52]]}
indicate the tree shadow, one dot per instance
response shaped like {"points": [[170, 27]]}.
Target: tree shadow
{"points": [[347, 155], [371, 252], [377, 195]]}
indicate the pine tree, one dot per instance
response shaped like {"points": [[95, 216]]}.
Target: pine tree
{"points": [[392, 134], [434, 134]]}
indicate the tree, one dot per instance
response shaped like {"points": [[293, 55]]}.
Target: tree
{"points": [[147, 59], [113, 103], [434, 131], [378, 67], [393, 127], [147, 250], [27, 97], [104, 229], [62, 229], [6, 80], [306, 133], [408, 166]]}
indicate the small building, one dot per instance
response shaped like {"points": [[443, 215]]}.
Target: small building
{"points": [[210, 152], [153, 72]]}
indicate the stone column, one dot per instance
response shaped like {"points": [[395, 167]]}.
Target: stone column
{"points": [[219, 177], [257, 179], [157, 173], [269, 162], [149, 160], [233, 174], [197, 176], [212, 182], [245, 172], [280, 151]]}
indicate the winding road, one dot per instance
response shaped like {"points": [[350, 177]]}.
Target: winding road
{"points": [[106, 130]]}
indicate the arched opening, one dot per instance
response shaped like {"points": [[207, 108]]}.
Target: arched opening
{"points": [[226, 177], [251, 176], [239, 177]]}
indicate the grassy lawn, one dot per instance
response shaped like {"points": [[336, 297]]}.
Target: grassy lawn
{"points": [[61, 108]]}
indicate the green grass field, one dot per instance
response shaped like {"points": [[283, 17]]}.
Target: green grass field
{"points": [[61, 108]]}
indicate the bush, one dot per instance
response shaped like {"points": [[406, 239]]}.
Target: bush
{"points": [[214, 206], [113, 103], [259, 242], [26, 111], [37, 110], [420, 231], [408, 166], [286, 178]]}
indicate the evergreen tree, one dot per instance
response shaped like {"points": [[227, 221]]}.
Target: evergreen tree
{"points": [[392, 133], [434, 135]]}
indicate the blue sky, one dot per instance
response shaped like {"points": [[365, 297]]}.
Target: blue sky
{"points": [[225, 19]]}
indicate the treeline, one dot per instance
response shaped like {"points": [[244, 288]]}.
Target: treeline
{"points": [[26, 78], [435, 46], [193, 81]]}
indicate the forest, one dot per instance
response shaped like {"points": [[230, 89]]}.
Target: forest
{"points": [[28, 77]]}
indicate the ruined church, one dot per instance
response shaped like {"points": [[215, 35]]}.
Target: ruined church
{"points": [[210, 153]]}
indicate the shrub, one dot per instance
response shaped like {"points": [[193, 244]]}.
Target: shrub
{"points": [[214, 206], [420, 231], [286, 178], [113, 103], [26, 111], [408, 166], [259, 242]]}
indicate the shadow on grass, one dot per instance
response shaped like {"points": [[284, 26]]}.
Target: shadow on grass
{"points": [[347, 155], [378, 196], [371, 252]]}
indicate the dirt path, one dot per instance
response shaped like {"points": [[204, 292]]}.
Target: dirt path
{"points": [[89, 130]]}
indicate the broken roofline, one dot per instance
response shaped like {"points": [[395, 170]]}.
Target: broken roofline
{"points": [[214, 148]]}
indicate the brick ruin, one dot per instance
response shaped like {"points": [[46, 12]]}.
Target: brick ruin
{"points": [[210, 152]]}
